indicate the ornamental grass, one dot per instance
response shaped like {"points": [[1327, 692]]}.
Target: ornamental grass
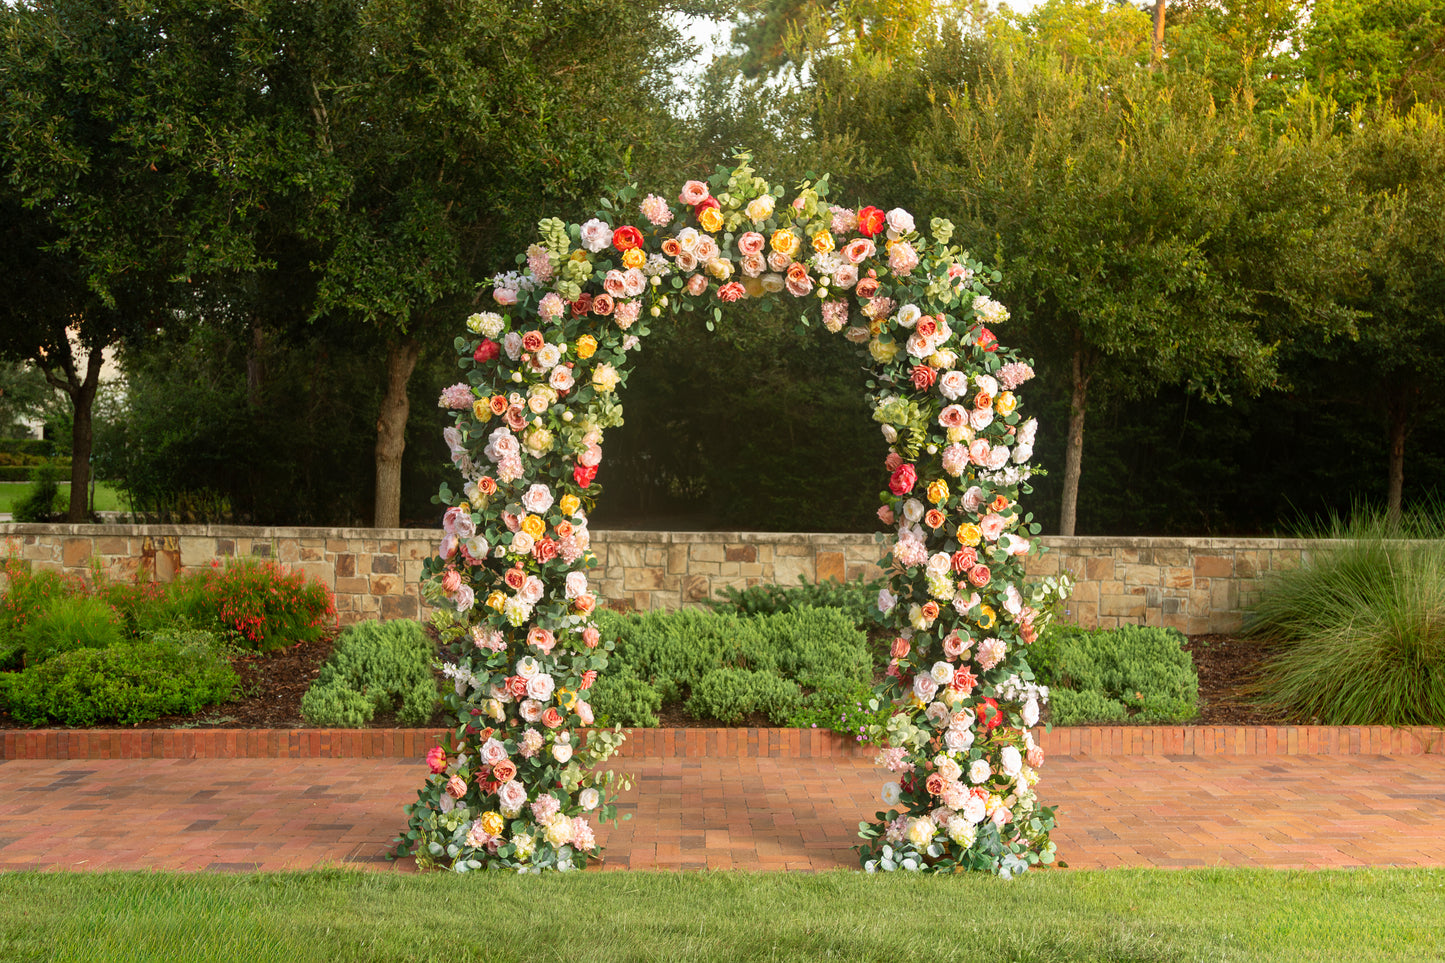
{"points": [[1358, 629]]}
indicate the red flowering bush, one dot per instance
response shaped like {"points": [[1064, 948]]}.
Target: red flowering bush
{"points": [[263, 604]]}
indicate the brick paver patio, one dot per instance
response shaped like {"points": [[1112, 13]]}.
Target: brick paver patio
{"points": [[738, 811]]}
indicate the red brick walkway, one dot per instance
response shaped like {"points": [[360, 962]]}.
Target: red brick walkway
{"points": [[750, 812]]}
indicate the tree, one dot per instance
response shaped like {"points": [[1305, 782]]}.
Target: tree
{"points": [[1148, 236], [1399, 162], [1359, 51]]}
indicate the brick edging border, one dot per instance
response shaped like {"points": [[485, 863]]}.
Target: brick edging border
{"points": [[62, 744]]}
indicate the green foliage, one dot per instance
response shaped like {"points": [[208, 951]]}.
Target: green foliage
{"points": [[38, 503], [70, 622], [1129, 674], [375, 667], [729, 695], [841, 707], [1359, 627], [262, 603], [168, 674], [27, 592], [855, 598], [692, 656]]}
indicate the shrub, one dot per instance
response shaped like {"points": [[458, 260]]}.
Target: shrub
{"points": [[730, 694], [374, 667], [675, 657], [38, 502], [167, 674], [70, 622], [264, 604], [1358, 631], [1132, 673], [27, 592], [841, 707], [622, 699], [855, 598]]}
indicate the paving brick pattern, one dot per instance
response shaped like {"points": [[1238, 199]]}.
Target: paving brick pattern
{"points": [[756, 812]]}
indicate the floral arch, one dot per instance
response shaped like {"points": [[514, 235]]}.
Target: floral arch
{"points": [[520, 778]]}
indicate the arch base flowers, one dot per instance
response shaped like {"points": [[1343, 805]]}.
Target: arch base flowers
{"points": [[521, 776]]}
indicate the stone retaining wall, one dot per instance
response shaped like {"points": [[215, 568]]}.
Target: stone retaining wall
{"points": [[1197, 585]]}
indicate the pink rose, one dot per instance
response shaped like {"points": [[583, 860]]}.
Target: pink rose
{"points": [[751, 243], [885, 515], [992, 526], [505, 296], [436, 759], [902, 480], [798, 281], [900, 648], [602, 305], [955, 459], [614, 284], [753, 265], [551, 718], [902, 259], [456, 787], [590, 636], [845, 276], [867, 287], [978, 452], [451, 581], [541, 638], [697, 284], [859, 250], [979, 576], [952, 416], [693, 193]]}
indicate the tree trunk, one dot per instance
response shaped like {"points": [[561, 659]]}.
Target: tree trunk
{"points": [[1156, 59], [1074, 453], [81, 392], [391, 432], [1399, 413]]}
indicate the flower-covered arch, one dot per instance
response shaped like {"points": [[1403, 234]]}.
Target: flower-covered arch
{"points": [[519, 781]]}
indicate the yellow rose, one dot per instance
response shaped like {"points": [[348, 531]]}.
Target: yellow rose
{"points": [[569, 504], [496, 600], [720, 268], [586, 346], [634, 257], [938, 491], [754, 287], [883, 352], [960, 434], [786, 241], [760, 208], [604, 379], [1006, 404], [986, 617], [492, 823], [534, 526], [464, 507], [711, 219], [823, 242], [969, 533], [566, 698], [482, 409]]}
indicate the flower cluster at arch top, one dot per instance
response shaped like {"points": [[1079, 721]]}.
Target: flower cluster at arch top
{"points": [[517, 783]]}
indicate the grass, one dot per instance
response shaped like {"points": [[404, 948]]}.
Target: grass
{"points": [[1359, 629], [107, 499], [1117, 915]]}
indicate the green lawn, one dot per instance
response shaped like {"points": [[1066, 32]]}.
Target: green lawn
{"points": [[107, 499], [1121, 915]]}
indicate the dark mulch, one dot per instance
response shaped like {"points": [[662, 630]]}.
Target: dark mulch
{"points": [[269, 696]]}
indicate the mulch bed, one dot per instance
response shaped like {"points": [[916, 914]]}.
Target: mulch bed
{"points": [[269, 696]]}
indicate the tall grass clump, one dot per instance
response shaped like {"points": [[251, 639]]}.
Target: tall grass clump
{"points": [[1358, 629]]}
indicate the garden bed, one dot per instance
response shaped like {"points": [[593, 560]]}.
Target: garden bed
{"points": [[269, 696]]}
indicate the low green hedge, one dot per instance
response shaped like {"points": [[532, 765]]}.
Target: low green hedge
{"points": [[717, 665], [169, 673], [1129, 674], [375, 667]]}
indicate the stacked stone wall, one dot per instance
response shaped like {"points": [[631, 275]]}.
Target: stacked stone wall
{"points": [[1198, 585]]}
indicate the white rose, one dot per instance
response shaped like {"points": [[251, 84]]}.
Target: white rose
{"points": [[528, 667], [891, 793], [900, 222], [953, 385], [537, 499], [596, 235], [576, 584], [1011, 761], [979, 771], [562, 751], [541, 687], [909, 314], [589, 799], [942, 673]]}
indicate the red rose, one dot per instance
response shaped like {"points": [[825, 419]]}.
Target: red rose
{"points": [[871, 220], [986, 340], [626, 238], [584, 474], [730, 292], [989, 713], [902, 480], [488, 350], [582, 305], [923, 377], [979, 576], [704, 204]]}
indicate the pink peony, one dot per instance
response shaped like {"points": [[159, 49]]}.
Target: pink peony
{"points": [[902, 259], [457, 397], [656, 210], [627, 314]]}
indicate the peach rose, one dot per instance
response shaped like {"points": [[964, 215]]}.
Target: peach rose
{"points": [[798, 281], [751, 243], [696, 284]]}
